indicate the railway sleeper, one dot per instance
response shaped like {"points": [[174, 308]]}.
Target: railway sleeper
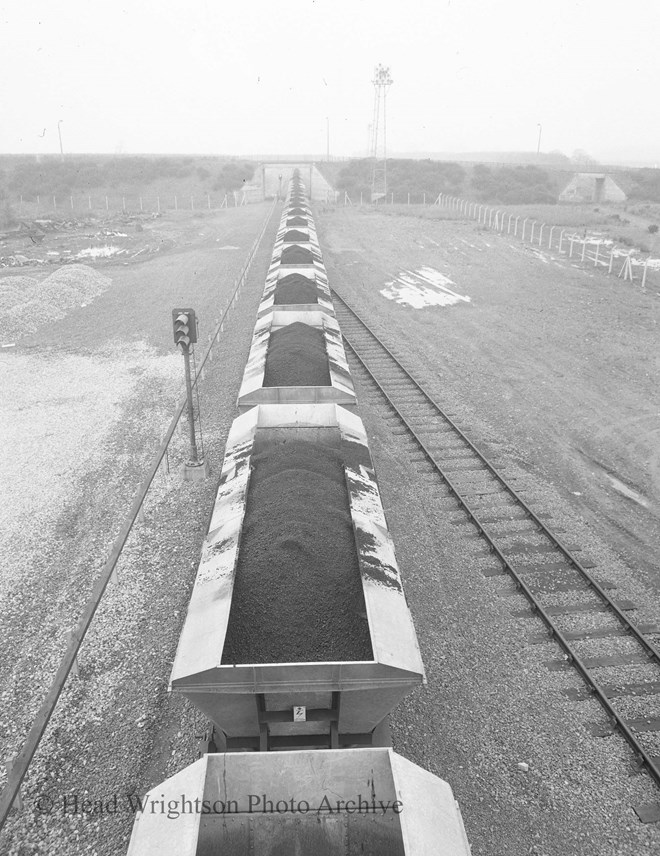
{"points": [[593, 633], [573, 608], [602, 662], [563, 581], [613, 691], [525, 548]]}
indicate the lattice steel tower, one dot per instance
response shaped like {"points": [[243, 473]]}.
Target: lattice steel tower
{"points": [[382, 81]]}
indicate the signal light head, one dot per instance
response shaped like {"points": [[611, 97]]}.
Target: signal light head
{"points": [[185, 327]]}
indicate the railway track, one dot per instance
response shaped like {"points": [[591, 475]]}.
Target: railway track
{"points": [[562, 589]]}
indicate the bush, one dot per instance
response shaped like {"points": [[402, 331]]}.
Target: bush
{"points": [[518, 185], [653, 228]]}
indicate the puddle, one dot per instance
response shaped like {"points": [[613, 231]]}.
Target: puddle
{"points": [[423, 287]]}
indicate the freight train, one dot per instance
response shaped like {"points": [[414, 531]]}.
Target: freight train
{"points": [[298, 638]]}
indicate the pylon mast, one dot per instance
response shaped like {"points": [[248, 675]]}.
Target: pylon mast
{"points": [[382, 81]]}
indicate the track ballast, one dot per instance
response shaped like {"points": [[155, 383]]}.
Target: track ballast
{"points": [[538, 561]]}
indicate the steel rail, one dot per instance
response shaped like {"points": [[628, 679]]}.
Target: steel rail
{"points": [[21, 762], [643, 757]]}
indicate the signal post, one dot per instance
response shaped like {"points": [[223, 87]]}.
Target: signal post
{"points": [[185, 335]]}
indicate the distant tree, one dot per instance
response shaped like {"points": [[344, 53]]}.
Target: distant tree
{"points": [[579, 157]]}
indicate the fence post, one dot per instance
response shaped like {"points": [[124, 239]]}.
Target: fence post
{"points": [[107, 207], [141, 205], [89, 199], [552, 229], [522, 237], [423, 199], [541, 233], [123, 204], [54, 204], [584, 248], [408, 199], [561, 239], [208, 201], [570, 252], [609, 270], [158, 204], [646, 264], [596, 256], [531, 237], [20, 206], [38, 202], [490, 218], [391, 198], [515, 230], [176, 204], [71, 198], [192, 203], [508, 228]]}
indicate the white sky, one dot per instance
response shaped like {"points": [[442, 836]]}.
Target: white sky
{"points": [[250, 76]]}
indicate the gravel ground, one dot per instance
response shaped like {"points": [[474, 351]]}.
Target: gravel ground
{"points": [[548, 376], [108, 374]]}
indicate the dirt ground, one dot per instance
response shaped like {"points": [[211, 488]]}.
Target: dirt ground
{"points": [[562, 362], [86, 402], [553, 371]]}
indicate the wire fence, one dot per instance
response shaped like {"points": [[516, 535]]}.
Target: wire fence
{"points": [[78, 205], [18, 768], [602, 253]]}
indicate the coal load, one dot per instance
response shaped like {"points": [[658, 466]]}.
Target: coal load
{"points": [[297, 210], [295, 288], [297, 593], [296, 255], [297, 356], [295, 235], [297, 221]]}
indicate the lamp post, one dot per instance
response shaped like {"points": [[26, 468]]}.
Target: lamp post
{"points": [[538, 146], [59, 133]]}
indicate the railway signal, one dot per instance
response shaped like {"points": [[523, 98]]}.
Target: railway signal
{"points": [[185, 335], [185, 328]]}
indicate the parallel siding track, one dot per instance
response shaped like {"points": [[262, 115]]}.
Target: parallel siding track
{"points": [[538, 561]]}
